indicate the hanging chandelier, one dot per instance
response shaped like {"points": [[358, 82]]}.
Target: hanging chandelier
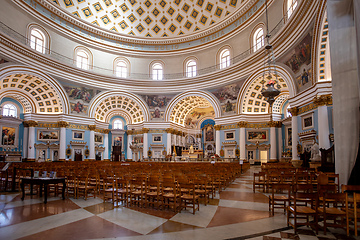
{"points": [[270, 76]]}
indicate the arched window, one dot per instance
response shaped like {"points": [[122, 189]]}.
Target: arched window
{"points": [[191, 68], [157, 71], [118, 124], [121, 69], [224, 58], [37, 40], [258, 39], [82, 59], [291, 5], [9, 110]]}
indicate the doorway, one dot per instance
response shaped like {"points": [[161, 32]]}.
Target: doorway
{"points": [[78, 155]]}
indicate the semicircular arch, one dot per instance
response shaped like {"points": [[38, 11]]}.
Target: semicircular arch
{"points": [[47, 94], [209, 97], [107, 102], [250, 99]]}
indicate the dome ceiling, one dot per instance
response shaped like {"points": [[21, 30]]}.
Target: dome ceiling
{"points": [[152, 18]]}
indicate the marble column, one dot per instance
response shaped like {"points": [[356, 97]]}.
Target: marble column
{"points": [[129, 141], [273, 145], [31, 142], [343, 16], [217, 139], [25, 140], [280, 142], [242, 140], [106, 145], [294, 128], [145, 142], [92, 143], [199, 141], [323, 120], [168, 142], [183, 139], [62, 146]]}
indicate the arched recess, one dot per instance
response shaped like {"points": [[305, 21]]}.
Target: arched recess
{"points": [[130, 106], [33, 88], [180, 105], [250, 97]]}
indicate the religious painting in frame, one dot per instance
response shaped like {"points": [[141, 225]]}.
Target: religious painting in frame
{"points": [[257, 135], [8, 136], [118, 141], [288, 136], [307, 121], [99, 138], [229, 135], [48, 135], [157, 138], [209, 133], [78, 135]]}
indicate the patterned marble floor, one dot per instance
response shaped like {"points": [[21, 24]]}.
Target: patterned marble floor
{"points": [[237, 213]]}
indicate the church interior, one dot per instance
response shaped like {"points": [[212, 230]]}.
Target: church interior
{"points": [[179, 119]]}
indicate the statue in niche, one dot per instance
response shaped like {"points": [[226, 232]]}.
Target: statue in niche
{"points": [[315, 152]]}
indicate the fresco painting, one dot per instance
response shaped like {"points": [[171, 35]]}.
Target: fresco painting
{"points": [[227, 96]]}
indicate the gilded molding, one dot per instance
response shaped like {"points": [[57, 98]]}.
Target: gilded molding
{"points": [[63, 124], [323, 100], [92, 127], [294, 111], [107, 131], [242, 124], [130, 132], [217, 127]]}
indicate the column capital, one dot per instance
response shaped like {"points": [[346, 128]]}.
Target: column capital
{"points": [[294, 111], [169, 130], [92, 127], [63, 124], [30, 123], [217, 127], [145, 130], [276, 124], [242, 124], [322, 100], [130, 132], [107, 131]]}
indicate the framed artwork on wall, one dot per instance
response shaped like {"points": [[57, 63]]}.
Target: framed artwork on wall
{"points": [[288, 136], [157, 138], [8, 136], [48, 135], [209, 133], [78, 135], [230, 135], [99, 138], [257, 135], [307, 121]]}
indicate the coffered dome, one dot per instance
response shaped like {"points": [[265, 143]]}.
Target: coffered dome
{"points": [[152, 18]]}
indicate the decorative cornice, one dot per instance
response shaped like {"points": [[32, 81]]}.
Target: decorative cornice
{"points": [[294, 111], [242, 124], [92, 127], [323, 100], [63, 124], [130, 132], [107, 131], [217, 127]]}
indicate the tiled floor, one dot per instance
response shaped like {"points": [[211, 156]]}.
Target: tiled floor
{"points": [[237, 213]]}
